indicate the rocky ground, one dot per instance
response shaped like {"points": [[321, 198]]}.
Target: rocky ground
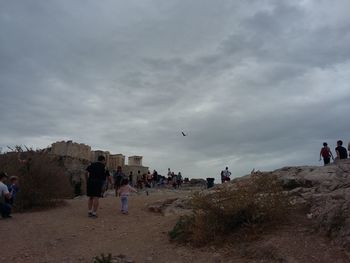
{"points": [[66, 234]]}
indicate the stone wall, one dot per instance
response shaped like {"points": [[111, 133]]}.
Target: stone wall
{"points": [[71, 149], [135, 160], [83, 152], [116, 160]]}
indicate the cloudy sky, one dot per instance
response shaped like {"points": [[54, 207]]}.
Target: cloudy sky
{"points": [[254, 84]]}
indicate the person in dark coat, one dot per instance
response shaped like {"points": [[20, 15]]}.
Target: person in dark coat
{"points": [[341, 151], [96, 176]]}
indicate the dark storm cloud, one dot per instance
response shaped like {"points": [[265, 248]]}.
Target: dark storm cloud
{"points": [[254, 84]]}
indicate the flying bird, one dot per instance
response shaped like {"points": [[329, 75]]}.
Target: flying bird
{"points": [[183, 134]]}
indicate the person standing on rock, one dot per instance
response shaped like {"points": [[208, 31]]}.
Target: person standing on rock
{"points": [[227, 175], [341, 151], [222, 177], [96, 175], [326, 154]]}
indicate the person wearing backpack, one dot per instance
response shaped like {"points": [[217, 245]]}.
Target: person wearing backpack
{"points": [[326, 154]]}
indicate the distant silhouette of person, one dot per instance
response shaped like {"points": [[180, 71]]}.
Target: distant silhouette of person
{"points": [[139, 180], [341, 151], [227, 175], [169, 179], [149, 180], [131, 178], [222, 176], [155, 177], [118, 176], [349, 148], [326, 154], [13, 189], [179, 179]]}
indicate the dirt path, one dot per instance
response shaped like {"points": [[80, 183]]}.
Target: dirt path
{"points": [[66, 234]]}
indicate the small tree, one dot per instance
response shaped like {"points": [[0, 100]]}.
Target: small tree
{"points": [[42, 181]]}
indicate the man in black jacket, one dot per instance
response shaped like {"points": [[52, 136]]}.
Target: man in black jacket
{"points": [[341, 151], [96, 176]]}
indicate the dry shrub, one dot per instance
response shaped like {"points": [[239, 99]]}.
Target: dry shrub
{"points": [[103, 259], [42, 181], [257, 202]]}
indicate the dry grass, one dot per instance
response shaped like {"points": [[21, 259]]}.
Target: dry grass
{"points": [[252, 205]]}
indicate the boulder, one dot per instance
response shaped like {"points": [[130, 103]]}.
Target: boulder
{"points": [[326, 190], [172, 206]]}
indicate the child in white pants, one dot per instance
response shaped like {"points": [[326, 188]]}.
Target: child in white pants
{"points": [[124, 192]]}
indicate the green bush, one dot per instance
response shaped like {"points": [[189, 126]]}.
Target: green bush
{"points": [[181, 232], [42, 180], [258, 201], [103, 259]]}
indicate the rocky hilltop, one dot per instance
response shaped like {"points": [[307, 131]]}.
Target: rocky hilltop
{"points": [[316, 230], [325, 191], [322, 193]]}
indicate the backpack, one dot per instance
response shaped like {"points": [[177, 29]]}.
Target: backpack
{"points": [[325, 152]]}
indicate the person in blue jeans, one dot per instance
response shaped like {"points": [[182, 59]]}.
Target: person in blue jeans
{"points": [[124, 192]]}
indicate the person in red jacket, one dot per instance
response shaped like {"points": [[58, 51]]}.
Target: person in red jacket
{"points": [[326, 154]]}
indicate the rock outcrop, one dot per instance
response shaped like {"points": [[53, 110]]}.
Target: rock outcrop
{"points": [[172, 206], [324, 190]]}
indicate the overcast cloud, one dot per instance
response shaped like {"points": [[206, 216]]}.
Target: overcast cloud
{"points": [[255, 84]]}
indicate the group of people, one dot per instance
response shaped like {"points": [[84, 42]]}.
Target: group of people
{"points": [[149, 180], [340, 150], [97, 177], [325, 154], [8, 194], [173, 179]]}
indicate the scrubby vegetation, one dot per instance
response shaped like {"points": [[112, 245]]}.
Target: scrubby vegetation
{"points": [[103, 259], [42, 180], [109, 259], [252, 204]]}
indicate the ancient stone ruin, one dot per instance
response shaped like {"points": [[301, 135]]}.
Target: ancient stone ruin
{"points": [[76, 156]]}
